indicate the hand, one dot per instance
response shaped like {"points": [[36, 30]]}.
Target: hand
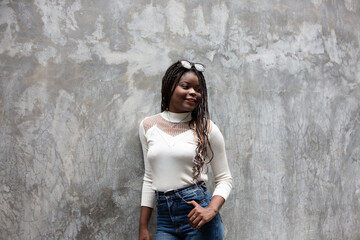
{"points": [[199, 215], [144, 234]]}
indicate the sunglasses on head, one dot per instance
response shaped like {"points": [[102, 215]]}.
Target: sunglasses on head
{"points": [[188, 65]]}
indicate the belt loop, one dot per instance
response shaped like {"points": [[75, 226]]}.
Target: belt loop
{"points": [[157, 195], [202, 185], [198, 185]]}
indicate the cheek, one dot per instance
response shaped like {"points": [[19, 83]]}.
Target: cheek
{"points": [[178, 95], [178, 90]]}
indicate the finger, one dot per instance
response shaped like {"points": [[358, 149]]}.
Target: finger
{"points": [[200, 224], [191, 213], [194, 203], [193, 225], [193, 217], [194, 211], [196, 221]]}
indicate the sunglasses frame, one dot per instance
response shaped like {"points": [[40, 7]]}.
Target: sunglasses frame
{"points": [[188, 65]]}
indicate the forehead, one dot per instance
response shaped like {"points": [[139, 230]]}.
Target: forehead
{"points": [[189, 77]]}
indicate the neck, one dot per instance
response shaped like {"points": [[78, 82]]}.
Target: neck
{"points": [[176, 117]]}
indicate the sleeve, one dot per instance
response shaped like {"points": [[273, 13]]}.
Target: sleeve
{"points": [[219, 163], [147, 194]]}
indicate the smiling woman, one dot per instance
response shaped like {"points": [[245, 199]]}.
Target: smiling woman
{"points": [[178, 143], [186, 94]]}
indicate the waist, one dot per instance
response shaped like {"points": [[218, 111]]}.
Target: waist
{"points": [[199, 185]]}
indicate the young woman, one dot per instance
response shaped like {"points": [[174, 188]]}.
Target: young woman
{"points": [[177, 145]]}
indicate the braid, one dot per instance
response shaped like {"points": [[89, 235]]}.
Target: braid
{"points": [[201, 123], [200, 115], [169, 82]]}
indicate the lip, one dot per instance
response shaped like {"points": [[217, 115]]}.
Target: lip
{"points": [[191, 101]]}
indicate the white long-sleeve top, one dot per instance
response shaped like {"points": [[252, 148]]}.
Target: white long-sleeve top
{"points": [[169, 145]]}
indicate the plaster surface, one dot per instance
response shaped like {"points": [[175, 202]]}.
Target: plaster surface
{"points": [[78, 76]]}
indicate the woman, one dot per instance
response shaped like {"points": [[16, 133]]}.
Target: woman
{"points": [[177, 145]]}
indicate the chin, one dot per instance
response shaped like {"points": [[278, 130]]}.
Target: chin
{"points": [[188, 109]]}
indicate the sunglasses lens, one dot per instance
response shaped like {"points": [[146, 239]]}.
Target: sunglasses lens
{"points": [[199, 67], [186, 64]]}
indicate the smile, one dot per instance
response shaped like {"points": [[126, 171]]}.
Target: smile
{"points": [[190, 101]]}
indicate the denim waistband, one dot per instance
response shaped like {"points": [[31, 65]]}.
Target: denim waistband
{"points": [[200, 184]]}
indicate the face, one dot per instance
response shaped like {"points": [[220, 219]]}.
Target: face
{"points": [[186, 95]]}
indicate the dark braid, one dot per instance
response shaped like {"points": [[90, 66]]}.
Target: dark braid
{"points": [[200, 115]]}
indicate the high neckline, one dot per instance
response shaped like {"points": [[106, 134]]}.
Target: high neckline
{"points": [[176, 117]]}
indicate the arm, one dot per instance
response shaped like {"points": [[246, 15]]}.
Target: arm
{"points": [[144, 223], [223, 182], [147, 196]]}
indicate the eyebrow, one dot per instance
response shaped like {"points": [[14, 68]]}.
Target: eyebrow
{"points": [[184, 81]]}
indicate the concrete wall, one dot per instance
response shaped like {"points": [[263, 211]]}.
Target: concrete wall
{"points": [[77, 77]]}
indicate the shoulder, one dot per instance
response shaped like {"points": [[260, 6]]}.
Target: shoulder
{"points": [[214, 131], [149, 122]]}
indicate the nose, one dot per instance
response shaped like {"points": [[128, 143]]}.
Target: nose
{"points": [[192, 92]]}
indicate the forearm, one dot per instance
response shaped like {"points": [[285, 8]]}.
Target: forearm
{"points": [[144, 223], [219, 164], [145, 216]]}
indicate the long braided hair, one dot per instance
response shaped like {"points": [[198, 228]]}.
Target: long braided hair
{"points": [[200, 115]]}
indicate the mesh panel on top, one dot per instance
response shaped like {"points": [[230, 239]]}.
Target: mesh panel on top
{"points": [[171, 128]]}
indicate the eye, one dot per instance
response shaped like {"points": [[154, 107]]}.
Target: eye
{"points": [[185, 86]]}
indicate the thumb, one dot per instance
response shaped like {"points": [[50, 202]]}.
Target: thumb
{"points": [[193, 203]]}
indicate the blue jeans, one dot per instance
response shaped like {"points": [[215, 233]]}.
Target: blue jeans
{"points": [[172, 211]]}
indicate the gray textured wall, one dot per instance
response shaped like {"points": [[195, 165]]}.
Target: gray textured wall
{"points": [[78, 76]]}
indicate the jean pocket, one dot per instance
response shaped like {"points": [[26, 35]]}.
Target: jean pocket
{"points": [[196, 195]]}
